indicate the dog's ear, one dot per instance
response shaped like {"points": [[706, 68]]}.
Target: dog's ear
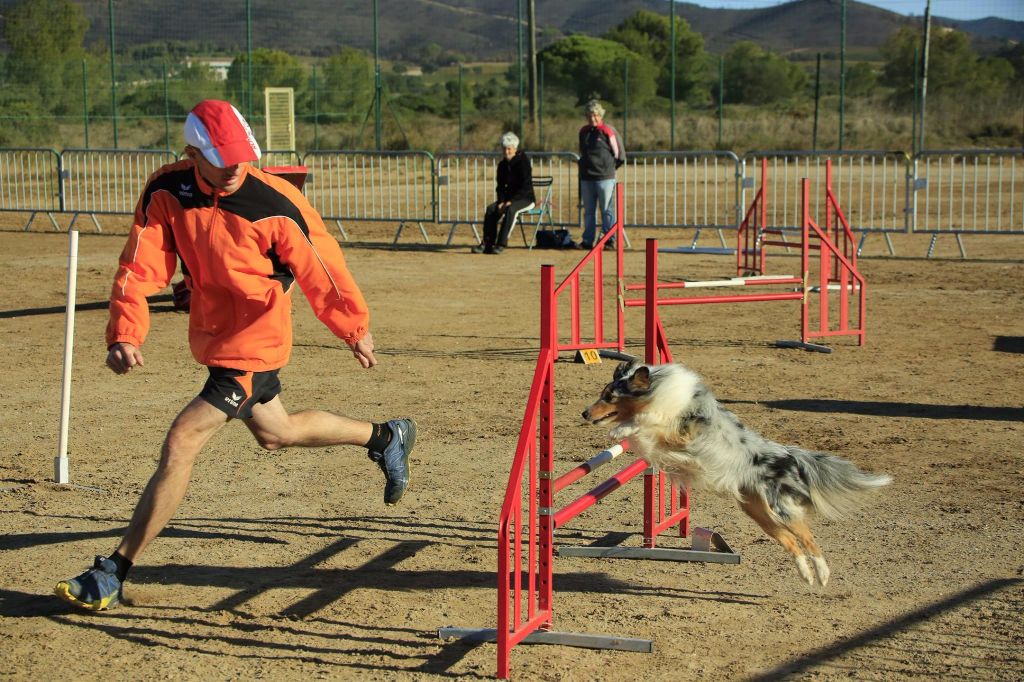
{"points": [[640, 381], [623, 369]]}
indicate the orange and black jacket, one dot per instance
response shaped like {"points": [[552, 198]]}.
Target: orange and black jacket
{"points": [[240, 254]]}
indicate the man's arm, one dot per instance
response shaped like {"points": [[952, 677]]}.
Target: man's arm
{"points": [[145, 266], [318, 264], [615, 141], [502, 183]]}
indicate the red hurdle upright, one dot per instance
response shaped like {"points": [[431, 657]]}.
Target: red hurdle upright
{"points": [[749, 248]]}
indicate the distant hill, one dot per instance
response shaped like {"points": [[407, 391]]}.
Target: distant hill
{"points": [[484, 29], [802, 25], [991, 27]]}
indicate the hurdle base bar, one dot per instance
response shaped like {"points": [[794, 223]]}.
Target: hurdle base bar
{"points": [[576, 639], [803, 345], [708, 547]]}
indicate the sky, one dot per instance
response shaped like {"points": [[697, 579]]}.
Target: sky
{"points": [[952, 9]]}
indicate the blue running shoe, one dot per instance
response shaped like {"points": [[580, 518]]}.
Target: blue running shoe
{"points": [[394, 461], [98, 589]]}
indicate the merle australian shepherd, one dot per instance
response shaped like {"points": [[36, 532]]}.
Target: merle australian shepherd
{"points": [[674, 422]]}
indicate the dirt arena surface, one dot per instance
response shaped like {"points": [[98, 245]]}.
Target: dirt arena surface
{"points": [[287, 565]]}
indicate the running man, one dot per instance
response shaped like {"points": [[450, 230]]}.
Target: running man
{"points": [[243, 238]]}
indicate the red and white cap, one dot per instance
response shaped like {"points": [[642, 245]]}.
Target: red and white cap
{"points": [[217, 129]]}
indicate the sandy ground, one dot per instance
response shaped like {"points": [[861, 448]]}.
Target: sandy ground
{"points": [[288, 565]]}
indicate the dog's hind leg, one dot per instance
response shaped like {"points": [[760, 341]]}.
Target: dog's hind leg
{"points": [[755, 506], [803, 533]]}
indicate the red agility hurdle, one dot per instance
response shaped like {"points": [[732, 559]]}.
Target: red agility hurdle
{"points": [[529, 516], [835, 265], [572, 289], [755, 234]]}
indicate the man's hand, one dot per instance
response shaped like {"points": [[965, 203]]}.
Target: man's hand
{"points": [[123, 357], [363, 350]]}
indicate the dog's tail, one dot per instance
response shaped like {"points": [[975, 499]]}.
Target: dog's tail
{"points": [[836, 485]]}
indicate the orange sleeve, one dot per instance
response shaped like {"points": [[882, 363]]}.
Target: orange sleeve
{"points": [[145, 266], [319, 267]]}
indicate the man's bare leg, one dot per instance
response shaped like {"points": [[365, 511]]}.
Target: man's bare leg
{"points": [[189, 432], [99, 588], [274, 428]]}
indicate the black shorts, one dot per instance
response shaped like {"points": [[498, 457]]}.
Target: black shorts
{"points": [[235, 391]]}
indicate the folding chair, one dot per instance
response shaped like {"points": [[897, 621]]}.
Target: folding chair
{"points": [[542, 184]]}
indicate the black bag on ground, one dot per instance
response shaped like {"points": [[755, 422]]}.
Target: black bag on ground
{"points": [[555, 239]]}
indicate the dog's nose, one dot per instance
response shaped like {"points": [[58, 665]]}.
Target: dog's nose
{"points": [[586, 414]]}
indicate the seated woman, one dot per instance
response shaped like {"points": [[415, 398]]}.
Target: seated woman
{"points": [[515, 195]]}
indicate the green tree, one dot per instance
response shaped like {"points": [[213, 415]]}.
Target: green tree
{"points": [[1014, 54], [861, 80], [270, 69], [755, 76], [452, 88], [45, 39], [431, 57], [649, 34], [493, 96], [187, 84], [954, 68], [346, 86], [898, 71], [993, 76], [592, 67]]}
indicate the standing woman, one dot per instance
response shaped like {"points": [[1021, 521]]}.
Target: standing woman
{"points": [[601, 153], [515, 194]]}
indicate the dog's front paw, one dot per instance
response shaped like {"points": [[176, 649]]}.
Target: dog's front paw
{"points": [[623, 431]]}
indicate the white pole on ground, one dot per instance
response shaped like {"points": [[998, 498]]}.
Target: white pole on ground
{"points": [[60, 462]]}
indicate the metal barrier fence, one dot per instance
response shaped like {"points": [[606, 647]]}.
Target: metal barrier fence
{"points": [[280, 157], [683, 189], [872, 186], [106, 181], [370, 185], [969, 191], [270, 157], [30, 182], [465, 185]]}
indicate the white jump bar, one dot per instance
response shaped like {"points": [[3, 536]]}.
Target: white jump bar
{"points": [[734, 281]]}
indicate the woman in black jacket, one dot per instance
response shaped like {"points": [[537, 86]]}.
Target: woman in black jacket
{"points": [[515, 195]]}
